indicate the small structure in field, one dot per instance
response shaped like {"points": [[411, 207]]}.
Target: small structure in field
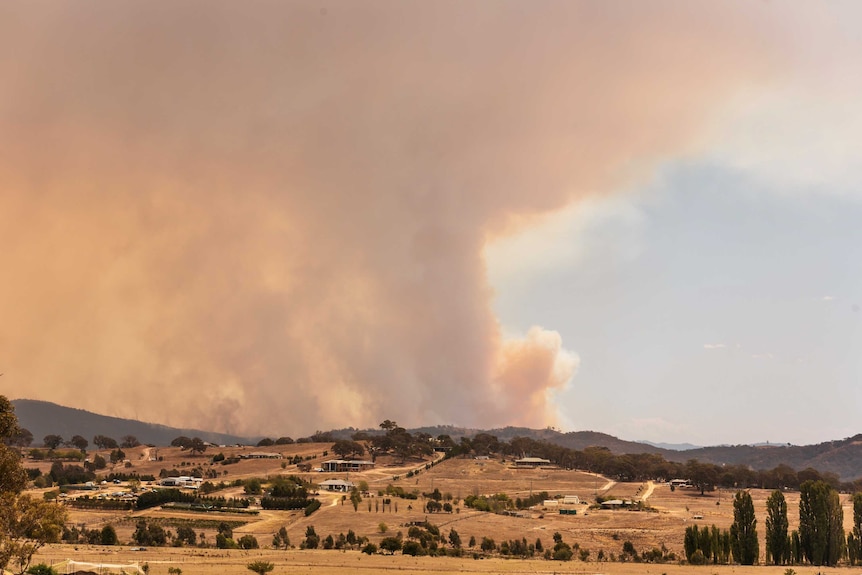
{"points": [[346, 465], [531, 462], [337, 485]]}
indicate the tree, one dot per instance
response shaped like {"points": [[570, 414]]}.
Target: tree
{"points": [[777, 542], [260, 567], [104, 442], [312, 539], [108, 536], [280, 539], [390, 544], [181, 441], [743, 531], [23, 438], [79, 442], [703, 475], [454, 538], [117, 455], [247, 541], [355, 498], [284, 441], [52, 441], [129, 441], [345, 448], [26, 524], [197, 445], [821, 532], [186, 534], [855, 550]]}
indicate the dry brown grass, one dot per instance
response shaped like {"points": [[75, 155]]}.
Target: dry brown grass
{"points": [[596, 530]]}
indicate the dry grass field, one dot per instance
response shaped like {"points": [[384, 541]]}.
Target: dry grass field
{"points": [[593, 529]]}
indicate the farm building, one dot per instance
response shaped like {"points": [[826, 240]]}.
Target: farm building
{"points": [[181, 481], [346, 465], [531, 462], [337, 485]]}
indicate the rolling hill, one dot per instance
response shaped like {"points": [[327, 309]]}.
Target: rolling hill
{"points": [[43, 418], [842, 457]]}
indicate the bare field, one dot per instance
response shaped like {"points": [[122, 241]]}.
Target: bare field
{"points": [[293, 562], [594, 529]]}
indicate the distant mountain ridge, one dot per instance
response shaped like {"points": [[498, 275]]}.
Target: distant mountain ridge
{"points": [[842, 457], [671, 446], [44, 418]]}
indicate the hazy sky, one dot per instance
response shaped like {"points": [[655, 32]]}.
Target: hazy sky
{"points": [[276, 217]]}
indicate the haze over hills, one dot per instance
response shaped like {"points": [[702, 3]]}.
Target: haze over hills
{"points": [[842, 457], [43, 418]]}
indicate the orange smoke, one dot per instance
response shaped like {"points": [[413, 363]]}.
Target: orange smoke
{"points": [[271, 219]]}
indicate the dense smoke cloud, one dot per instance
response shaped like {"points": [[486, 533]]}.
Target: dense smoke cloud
{"points": [[270, 217]]}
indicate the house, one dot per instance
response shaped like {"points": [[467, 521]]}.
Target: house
{"points": [[616, 503], [181, 481], [531, 462], [346, 465], [337, 485]]}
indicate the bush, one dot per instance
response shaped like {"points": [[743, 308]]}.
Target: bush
{"points": [[312, 507], [370, 549], [697, 558], [260, 567], [42, 569], [412, 548]]}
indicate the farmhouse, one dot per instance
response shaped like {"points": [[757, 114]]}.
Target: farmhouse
{"points": [[181, 481], [346, 465], [531, 462], [616, 503], [337, 485]]}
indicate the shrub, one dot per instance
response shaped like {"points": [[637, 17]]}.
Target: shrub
{"points": [[697, 558], [312, 507], [260, 567], [42, 569]]}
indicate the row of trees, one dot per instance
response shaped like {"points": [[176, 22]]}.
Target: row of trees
{"points": [[53, 441], [396, 440], [820, 539]]}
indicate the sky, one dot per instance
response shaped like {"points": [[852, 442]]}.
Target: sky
{"points": [[280, 217]]}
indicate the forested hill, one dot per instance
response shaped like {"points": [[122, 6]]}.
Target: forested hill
{"points": [[43, 418], [842, 457]]}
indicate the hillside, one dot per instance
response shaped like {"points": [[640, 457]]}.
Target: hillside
{"points": [[842, 457], [43, 418]]}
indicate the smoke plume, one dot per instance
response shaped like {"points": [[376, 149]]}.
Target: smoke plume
{"points": [[270, 217]]}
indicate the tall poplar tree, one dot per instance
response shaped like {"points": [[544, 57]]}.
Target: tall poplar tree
{"points": [[821, 531], [743, 532], [777, 542], [854, 541]]}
